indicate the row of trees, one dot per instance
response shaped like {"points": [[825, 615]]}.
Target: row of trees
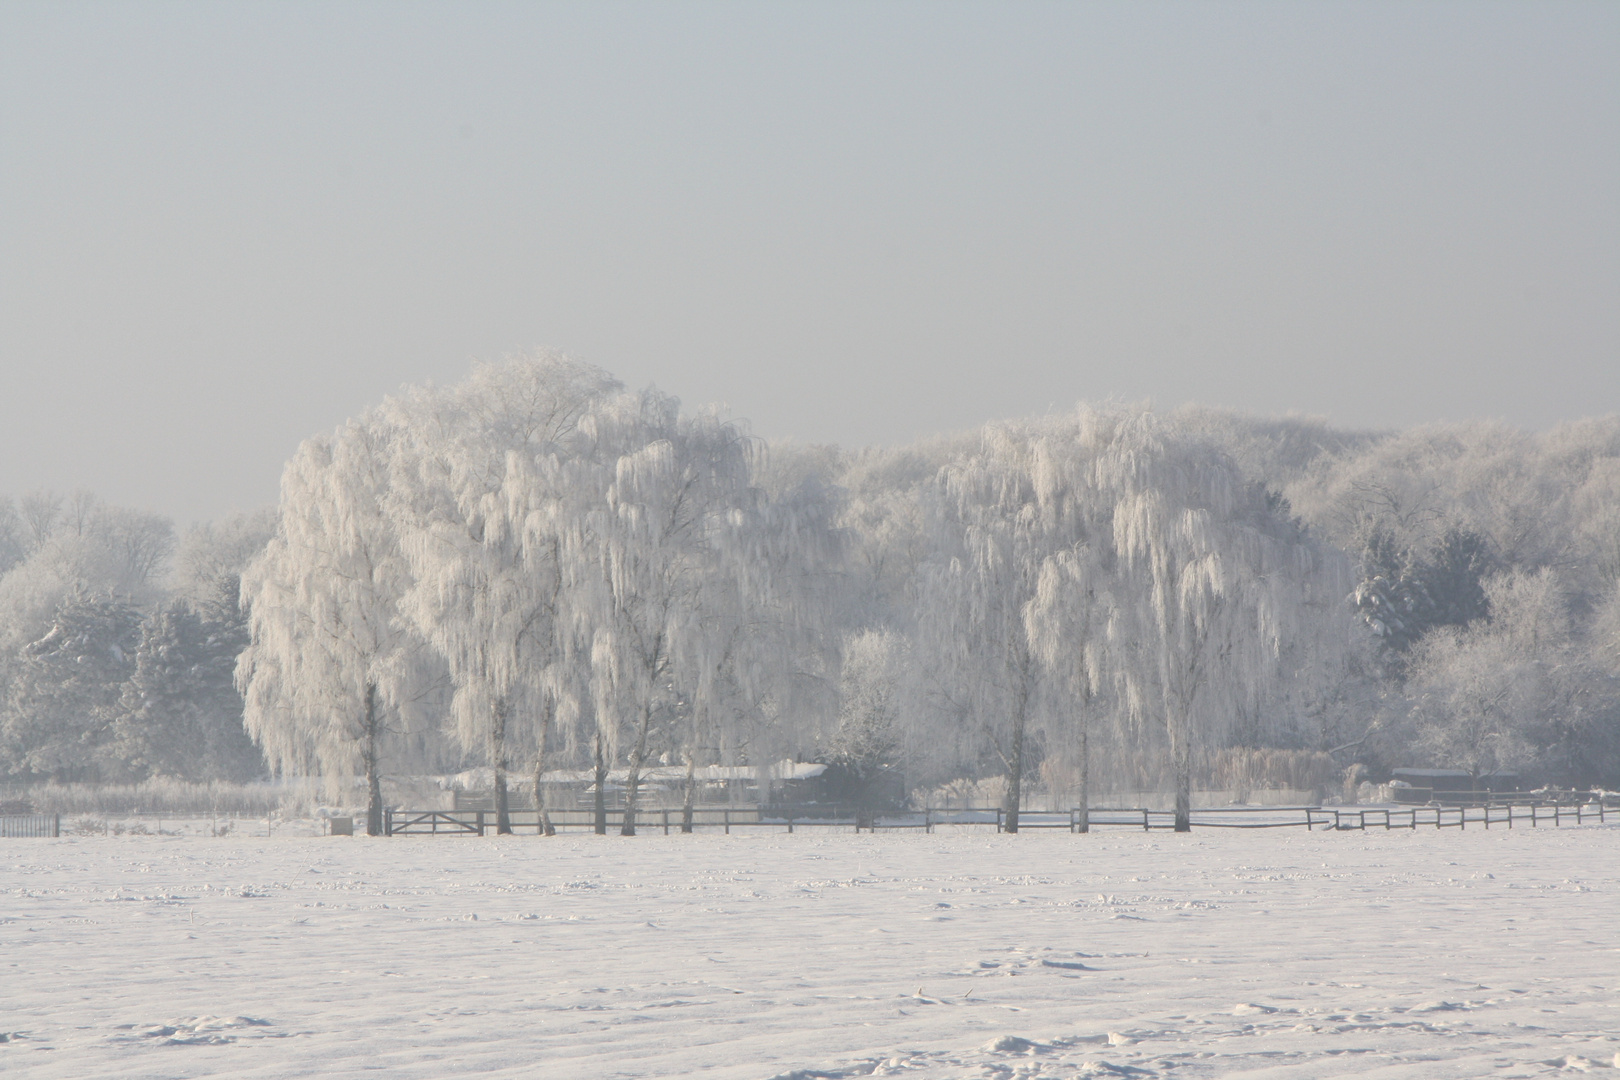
{"points": [[588, 572], [117, 651], [536, 569], [554, 558]]}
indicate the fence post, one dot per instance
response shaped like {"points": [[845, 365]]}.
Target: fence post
{"points": [[480, 823], [56, 825], [928, 820], [1144, 819], [728, 820]]}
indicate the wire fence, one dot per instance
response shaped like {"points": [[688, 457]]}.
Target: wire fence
{"points": [[161, 823], [21, 825]]}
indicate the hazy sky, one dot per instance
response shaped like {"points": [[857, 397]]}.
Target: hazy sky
{"points": [[225, 227]]}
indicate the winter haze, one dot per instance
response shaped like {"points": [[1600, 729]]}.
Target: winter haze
{"points": [[226, 228], [809, 541]]}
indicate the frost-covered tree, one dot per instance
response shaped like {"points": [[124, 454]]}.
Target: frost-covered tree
{"points": [[675, 490], [1211, 577], [998, 517], [180, 714], [1513, 691], [74, 552], [211, 557], [765, 658], [870, 735], [58, 720], [330, 656], [1069, 621], [1405, 594], [82, 546], [481, 500], [13, 537]]}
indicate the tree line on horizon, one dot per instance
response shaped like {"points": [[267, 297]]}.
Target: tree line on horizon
{"points": [[537, 569]]}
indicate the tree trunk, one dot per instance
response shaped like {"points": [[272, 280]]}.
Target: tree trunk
{"points": [[601, 788], [632, 786], [691, 791], [497, 761], [542, 815], [1018, 669], [1084, 824], [374, 806], [1015, 771], [1181, 761]]}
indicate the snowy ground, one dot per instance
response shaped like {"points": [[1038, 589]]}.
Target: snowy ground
{"points": [[1273, 954]]}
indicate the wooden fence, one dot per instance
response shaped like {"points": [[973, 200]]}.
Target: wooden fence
{"points": [[482, 822], [30, 825], [1460, 817], [726, 819]]}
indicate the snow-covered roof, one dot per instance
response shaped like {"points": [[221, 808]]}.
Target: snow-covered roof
{"points": [[483, 778]]}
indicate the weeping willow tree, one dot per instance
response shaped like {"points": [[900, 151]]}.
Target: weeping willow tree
{"points": [[763, 663], [476, 501], [1068, 621], [999, 517], [1211, 577], [330, 658], [673, 488]]}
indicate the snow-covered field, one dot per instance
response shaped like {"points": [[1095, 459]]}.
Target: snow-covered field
{"points": [[1277, 954]]}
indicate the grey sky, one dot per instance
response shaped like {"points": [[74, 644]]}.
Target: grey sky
{"points": [[226, 227]]}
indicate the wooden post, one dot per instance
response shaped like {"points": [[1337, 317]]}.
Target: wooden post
{"points": [[728, 820], [480, 823]]}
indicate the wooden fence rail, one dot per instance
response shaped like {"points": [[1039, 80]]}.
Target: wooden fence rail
{"points": [[1460, 817], [1341, 819], [482, 822]]}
